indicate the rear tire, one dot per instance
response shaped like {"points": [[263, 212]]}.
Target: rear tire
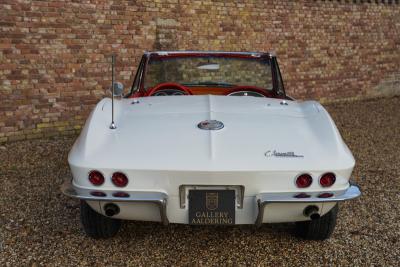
{"points": [[96, 225], [319, 229]]}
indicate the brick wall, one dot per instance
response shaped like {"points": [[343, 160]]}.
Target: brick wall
{"points": [[54, 54]]}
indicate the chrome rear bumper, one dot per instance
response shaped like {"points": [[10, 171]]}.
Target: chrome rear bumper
{"points": [[160, 198], [157, 198], [264, 199]]}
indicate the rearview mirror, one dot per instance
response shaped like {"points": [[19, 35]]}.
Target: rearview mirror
{"points": [[118, 89]]}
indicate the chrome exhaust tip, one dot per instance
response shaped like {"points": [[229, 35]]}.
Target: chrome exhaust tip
{"points": [[111, 209], [312, 212]]}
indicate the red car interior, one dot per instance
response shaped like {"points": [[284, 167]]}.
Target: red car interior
{"points": [[202, 90], [162, 86]]}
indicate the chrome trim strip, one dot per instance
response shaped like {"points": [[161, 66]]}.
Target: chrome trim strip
{"points": [[263, 199], [158, 198], [183, 196], [290, 98], [245, 91], [250, 53]]}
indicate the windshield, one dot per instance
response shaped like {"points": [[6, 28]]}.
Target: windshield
{"points": [[209, 71]]}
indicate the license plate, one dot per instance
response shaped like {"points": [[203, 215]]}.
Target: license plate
{"points": [[212, 207]]}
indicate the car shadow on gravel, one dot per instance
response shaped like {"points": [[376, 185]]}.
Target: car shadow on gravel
{"points": [[141, 230]]}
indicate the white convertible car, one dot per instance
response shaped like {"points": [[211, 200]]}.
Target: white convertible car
{"points": [[209, 138]]}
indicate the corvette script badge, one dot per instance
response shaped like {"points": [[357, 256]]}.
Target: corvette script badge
{"points": [[275, 153]]}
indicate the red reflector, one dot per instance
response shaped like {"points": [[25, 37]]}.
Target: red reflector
{"points": [[96, 178], [302, 195], [325, 195], [327, 179], [120, 194], [304, 180], [119, 179], [98, 194]]}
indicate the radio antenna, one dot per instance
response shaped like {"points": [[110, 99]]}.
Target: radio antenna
{"points": [[112, 126]]}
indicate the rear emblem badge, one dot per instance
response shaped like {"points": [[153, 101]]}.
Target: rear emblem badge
{"points": [[210, 125], [212, 201]]}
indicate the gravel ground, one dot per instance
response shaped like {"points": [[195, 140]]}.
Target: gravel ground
{"points": [[40, 226]]}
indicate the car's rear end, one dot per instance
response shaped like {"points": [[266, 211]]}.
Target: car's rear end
{"points": [[170, 160]]}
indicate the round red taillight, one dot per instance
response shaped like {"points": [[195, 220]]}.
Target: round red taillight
{"points": [[302, 195], [303, 180], [325, 195], [98, 194], [119, 179], [120, 194], [96, 178], [327, 179]]}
